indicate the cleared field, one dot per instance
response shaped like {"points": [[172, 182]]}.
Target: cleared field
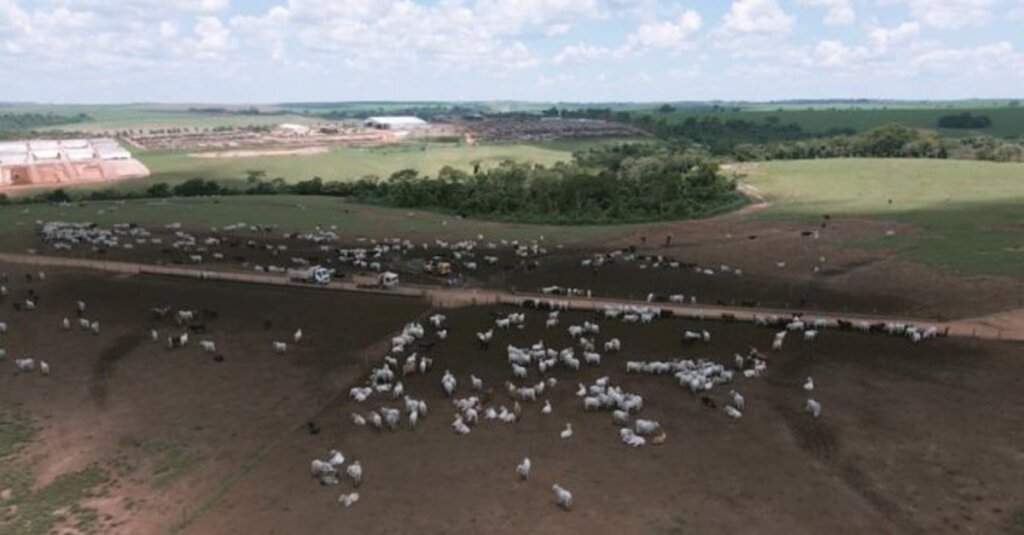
{"points": [[143, 439], [968, 214], [124, 448], [154, 116], [344, 163], [347, 163]]}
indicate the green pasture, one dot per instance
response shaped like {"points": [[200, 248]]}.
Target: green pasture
{"points": [[339, 164], [971, 214], [120, 117], [289, 213]]}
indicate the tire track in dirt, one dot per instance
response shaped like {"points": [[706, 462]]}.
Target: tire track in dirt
{"points": [[978, 328], [332, 394], [106, 365], [823, 443]]}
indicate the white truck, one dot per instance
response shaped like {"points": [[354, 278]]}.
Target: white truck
{"points": [[317, 275], [388, 280]]}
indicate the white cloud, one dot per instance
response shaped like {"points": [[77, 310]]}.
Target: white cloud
{"points": [[581, 52], [448, 35], [757, 16], [13, 18], [140, 9], [269, 31], [211, 36], [952, 14], [168, 29], [518, 56], [673, 35], [883, 38], [837, 12], [213, 6], [690, 73], [977, 60], [1017, 13], [328, 44], [557, 29], [831, 53]]}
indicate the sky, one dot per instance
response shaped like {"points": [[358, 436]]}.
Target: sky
{"points": [[265, 51]]}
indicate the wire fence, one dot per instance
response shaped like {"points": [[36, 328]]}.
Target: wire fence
{"points": [[461, 297]]}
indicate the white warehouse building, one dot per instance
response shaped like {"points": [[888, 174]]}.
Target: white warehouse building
{"points": [[395, 123]]}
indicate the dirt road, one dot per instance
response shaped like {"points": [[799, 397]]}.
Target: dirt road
{"points": [[1004, 326]]}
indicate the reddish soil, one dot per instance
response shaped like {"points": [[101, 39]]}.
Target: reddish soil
{"points": [[850, 280], [913, 439], [114, 398], [920, 439]]}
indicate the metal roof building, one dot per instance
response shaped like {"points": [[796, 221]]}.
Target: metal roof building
{"points": [[14, 153], [44, 149], [79, 154], [291, 129], [395, 122]]}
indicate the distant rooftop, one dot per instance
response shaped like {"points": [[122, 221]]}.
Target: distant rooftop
{"points": [[395, 121]]}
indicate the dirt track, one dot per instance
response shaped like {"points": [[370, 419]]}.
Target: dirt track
{"points": [[921, 439], [231, 154], [1005, 326]]}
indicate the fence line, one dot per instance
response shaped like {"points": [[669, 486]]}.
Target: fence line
{"points": [[459, 297]]}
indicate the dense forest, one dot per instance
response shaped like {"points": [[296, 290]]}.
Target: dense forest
{"points": [[988, 148], [619, 184], [249, 111], [425, 112], [891, 141], [714, 134], [773, 139], [964, 120]]}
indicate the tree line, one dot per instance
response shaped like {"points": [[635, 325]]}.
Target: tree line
{"points": [[989, 148], [964, 120], [773, 139], [619, 184], [890, 141], [21, 125], [719, 136]]}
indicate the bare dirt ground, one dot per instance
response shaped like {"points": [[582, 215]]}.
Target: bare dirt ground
{"points": [[230, 154], [171, 428], [848, 280], [50, 174], [913, 439]]}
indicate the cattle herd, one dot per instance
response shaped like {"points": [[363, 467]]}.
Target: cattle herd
{"points": [[386, 404]]}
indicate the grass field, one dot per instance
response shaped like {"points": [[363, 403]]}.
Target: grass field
{"points": [[291, 213], [33, 510], [117, 117], [970, 213], [346, 163]]}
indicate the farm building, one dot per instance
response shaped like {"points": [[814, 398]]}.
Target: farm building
{"points": [[44, 150], [292, 130], [395, 123], [79, 154], [35, 162], [14, 153]]}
